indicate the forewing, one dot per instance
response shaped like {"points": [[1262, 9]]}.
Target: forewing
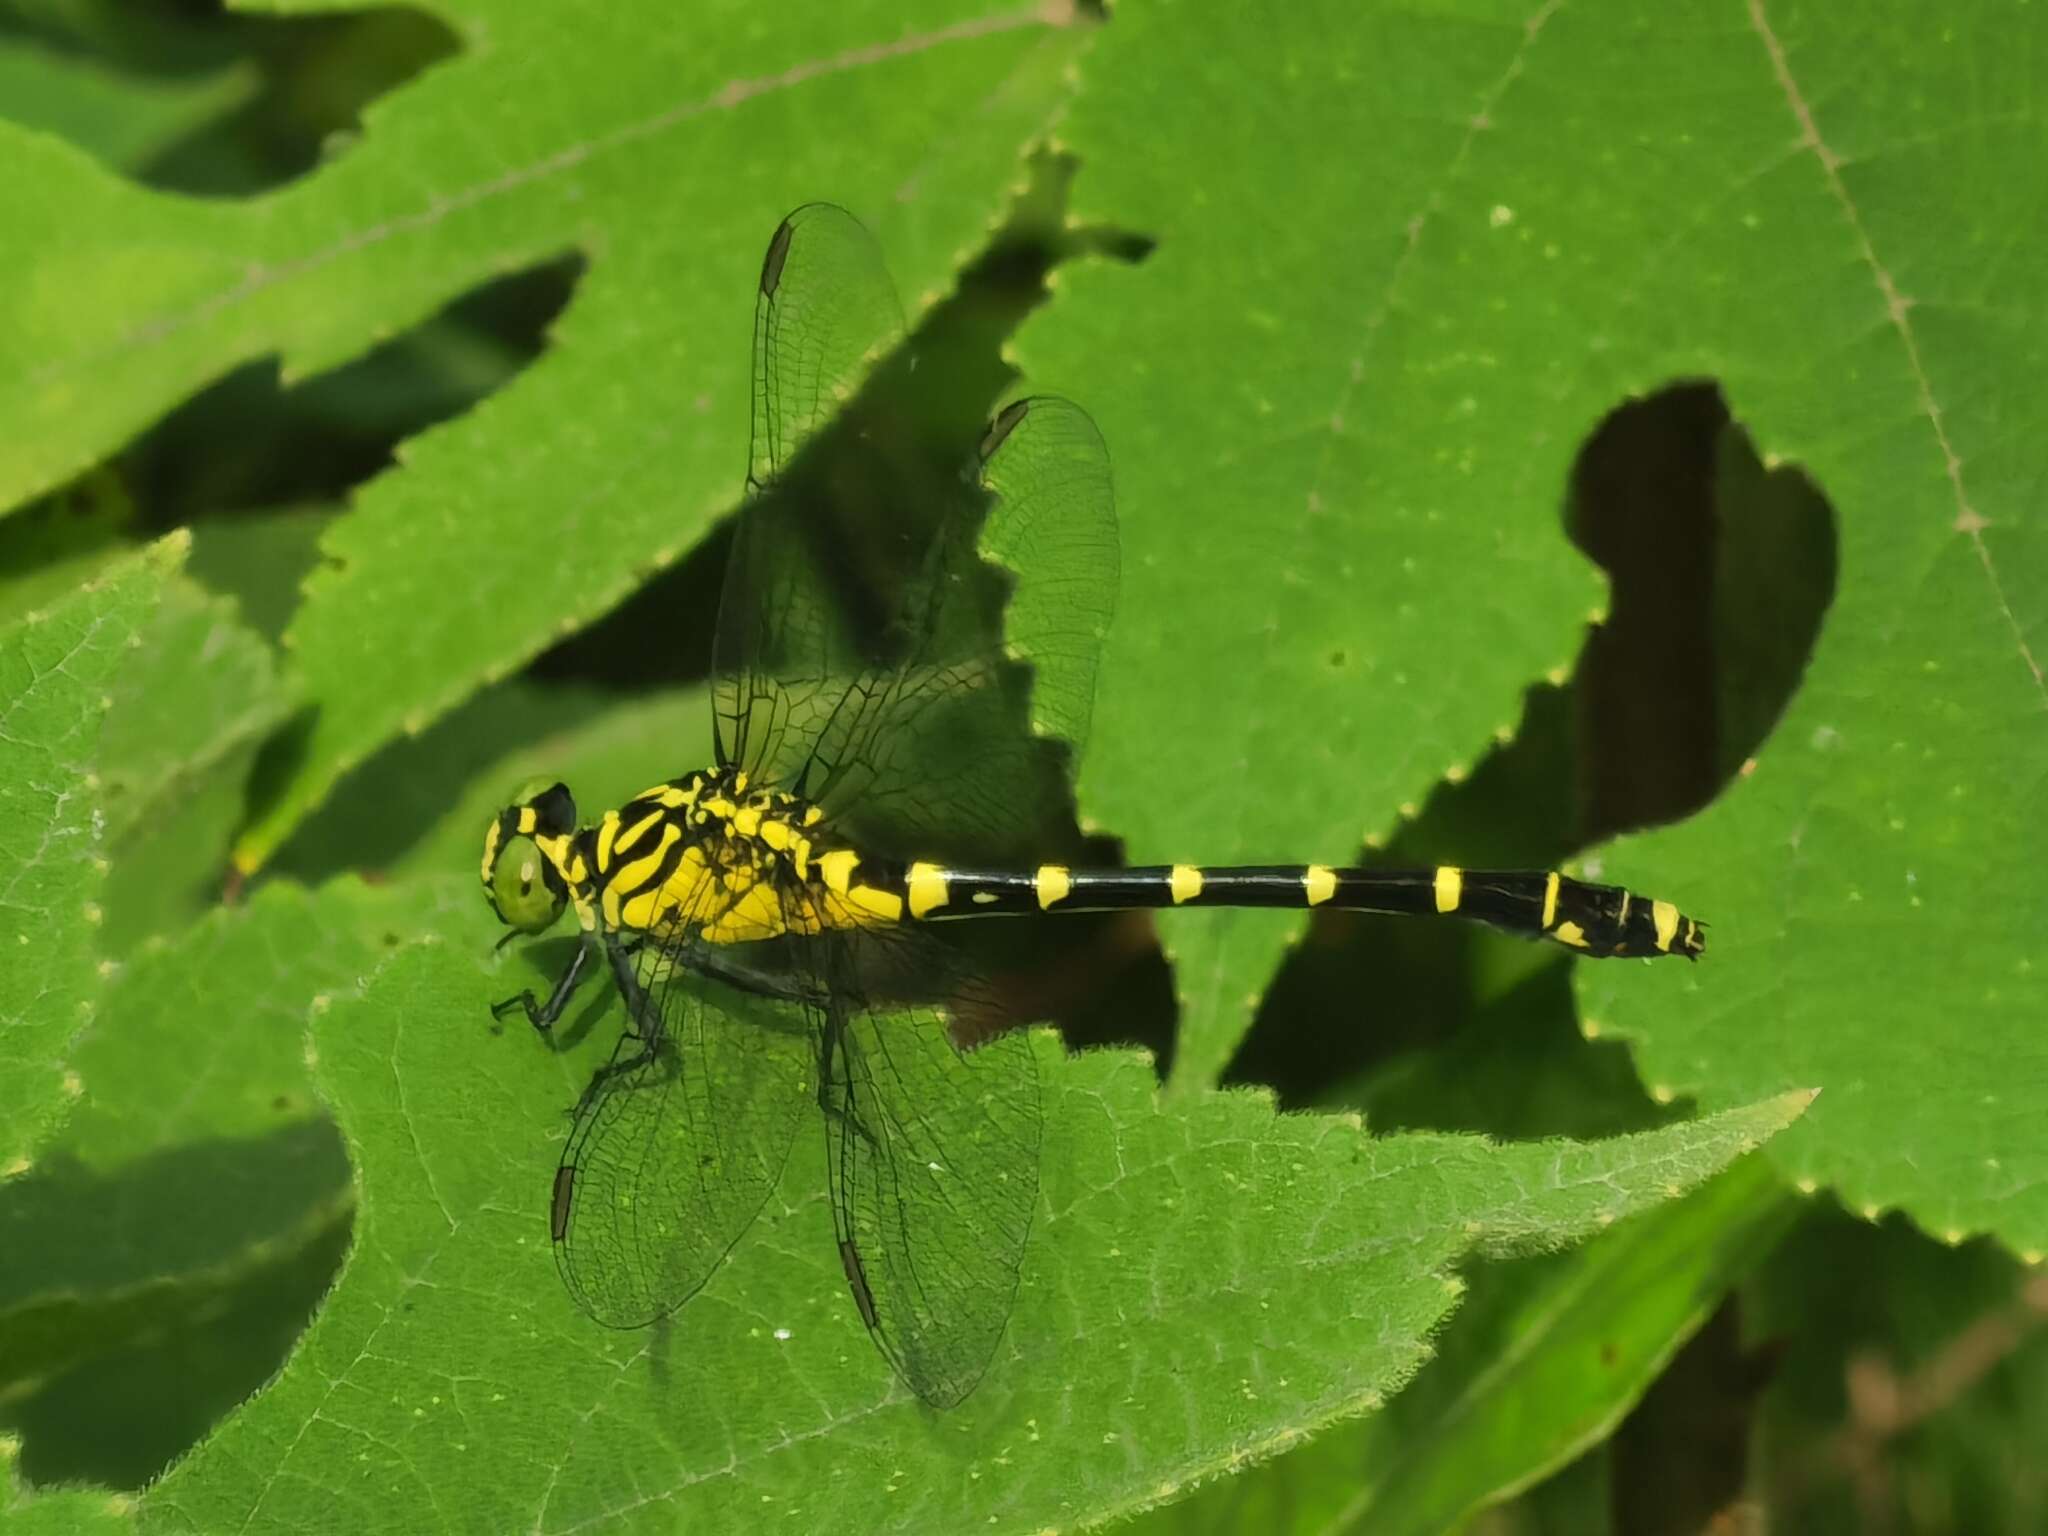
{"points": [[673, 1153], [1052, 526], [934, 1152], [965, 750], [824, 311]]}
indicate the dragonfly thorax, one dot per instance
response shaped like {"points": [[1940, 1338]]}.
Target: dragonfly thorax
{"points": [[708, 856]]}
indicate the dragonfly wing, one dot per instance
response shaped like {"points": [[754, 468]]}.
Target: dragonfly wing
{"points": [[678, 1142], [784, 650], [933, 1148], [965, 749]]}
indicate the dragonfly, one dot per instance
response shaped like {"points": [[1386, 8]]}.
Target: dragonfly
{"points": [[893, 702]]}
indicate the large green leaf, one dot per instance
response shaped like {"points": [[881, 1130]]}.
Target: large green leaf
{"points": [[1205, 1281], [663, 149], [181, 1226], [1344, 392], [126, 120], [59, 668], [1538, 1366], [204, 685]]}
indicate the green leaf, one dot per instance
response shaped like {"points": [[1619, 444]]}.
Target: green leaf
{"points": [[126, 119], [50, 549], [665, 154], [63, 1512], [259, 558], [182, 731], [203, 686], [195, 1174], [1538, 1366], [449, 1367], [58, 668], [420, 806], [1344, 392]]}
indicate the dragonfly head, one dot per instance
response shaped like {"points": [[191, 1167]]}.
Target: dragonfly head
{"points": [[524, 849]]}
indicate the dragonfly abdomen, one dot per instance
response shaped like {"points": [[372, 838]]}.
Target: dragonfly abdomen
{"points": [[1595, 920]]}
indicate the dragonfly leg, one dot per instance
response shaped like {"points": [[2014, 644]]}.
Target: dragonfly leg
{"points": [[542, 1016]]}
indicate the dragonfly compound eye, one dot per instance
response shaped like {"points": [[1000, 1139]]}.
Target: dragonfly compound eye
{"points": [[525, 890], [553, 808]]}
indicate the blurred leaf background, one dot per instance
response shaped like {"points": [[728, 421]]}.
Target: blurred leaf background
{"points": [[1542, 433]]}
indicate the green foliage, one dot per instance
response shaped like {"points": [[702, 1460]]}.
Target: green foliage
{"points": [[58, 666], [376, 383], [1540, 1362], [1490, 232], [618, 450], [1146, 1289]]}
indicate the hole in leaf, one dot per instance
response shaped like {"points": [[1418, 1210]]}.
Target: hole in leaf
{"points": [[150, 1314], [257, 469], [1721, 571]]}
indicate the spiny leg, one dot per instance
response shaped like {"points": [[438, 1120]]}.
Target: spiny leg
{"points": [[643, 1022], [542, 1016]]}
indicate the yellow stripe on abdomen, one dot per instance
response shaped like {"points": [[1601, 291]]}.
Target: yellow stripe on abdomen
{"points": [[1665, 916], [1450, 887], [927, 887]]}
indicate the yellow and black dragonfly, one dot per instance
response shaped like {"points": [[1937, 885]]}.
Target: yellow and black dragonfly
{"points": [[890, 704]]}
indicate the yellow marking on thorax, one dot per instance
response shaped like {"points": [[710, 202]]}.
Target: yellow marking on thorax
{"points": [[779, 835], [812, 815], [657, 906], [669, 797], [746, 821], [1572, 934], [527, 821], [554, 849], [607, 830], [985, 898], [759, 913], [1622, 916], [637, 871], [1550, 886], [1665, 916], [1053, 883], [1450, 887], [928, 889], [1320, 883], [1185, 882], [836, 868], [626, 839]]}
